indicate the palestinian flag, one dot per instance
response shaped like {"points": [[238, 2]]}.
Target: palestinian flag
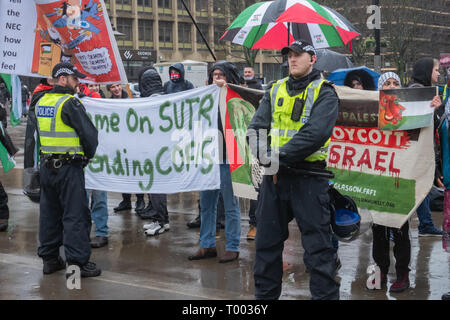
{"points": [[7, 161], [236, 114], [15, 90], [405, 109]]}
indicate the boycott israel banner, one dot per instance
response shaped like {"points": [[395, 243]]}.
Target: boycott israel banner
{"points": [[163, 144], [35, 35], [387, 172]]}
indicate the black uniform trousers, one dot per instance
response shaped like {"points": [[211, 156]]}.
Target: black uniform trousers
{"points": [[64, 218], [306, 199], [402, 248]]}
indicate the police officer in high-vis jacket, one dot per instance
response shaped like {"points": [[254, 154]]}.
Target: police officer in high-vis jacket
{"points": [[292, 129], [68, 139]]}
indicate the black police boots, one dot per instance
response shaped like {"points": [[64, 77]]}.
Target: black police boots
{"points": [[53, 265], [123, 205], [89, 270]]}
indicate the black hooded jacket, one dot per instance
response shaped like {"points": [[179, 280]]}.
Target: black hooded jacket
{"points": [[150, 83], [230, 71], [422, 71], [177, 85]]}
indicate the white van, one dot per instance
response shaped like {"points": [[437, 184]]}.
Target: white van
{"points": [[194, 71]]}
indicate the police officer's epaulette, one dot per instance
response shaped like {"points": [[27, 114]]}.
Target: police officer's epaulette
{"points": [[76, 102], [328, 83], [270, 84]]}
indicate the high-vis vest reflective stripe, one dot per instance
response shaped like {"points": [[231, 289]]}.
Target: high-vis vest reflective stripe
{"points": [[444, 95], [55, 136], [283, 127]]}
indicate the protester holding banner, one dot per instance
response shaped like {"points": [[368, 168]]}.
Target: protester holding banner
{"points": [[382, 234], [68, 140], [156, 209], [221, 73], [426, 74], [299, 113], [117, 92], [98, 199]]}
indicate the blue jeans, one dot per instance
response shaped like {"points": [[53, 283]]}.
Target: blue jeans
{"points": [[208, 213], [424, 215], [99, 211]]}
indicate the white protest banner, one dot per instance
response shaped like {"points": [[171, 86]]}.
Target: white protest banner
{"points": [[35, 35], [387, 172], [162, 144]]}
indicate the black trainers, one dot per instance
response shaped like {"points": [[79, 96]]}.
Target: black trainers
{"points": [[195, 223], [123, 205], [89, 270], [99, 242], [53, 265]]}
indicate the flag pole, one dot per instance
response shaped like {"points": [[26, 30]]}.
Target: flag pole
{"points": [[198, 29]]}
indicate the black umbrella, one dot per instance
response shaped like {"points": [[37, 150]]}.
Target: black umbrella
{"points": [[328, 60]]}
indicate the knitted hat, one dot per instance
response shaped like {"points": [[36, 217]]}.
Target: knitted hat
{"points": [[386, 76]]}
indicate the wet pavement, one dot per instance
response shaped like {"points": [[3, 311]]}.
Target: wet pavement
{"points": [[135, 266]]}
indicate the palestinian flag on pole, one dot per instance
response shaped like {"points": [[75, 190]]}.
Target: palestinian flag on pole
{"points": [[7, 161], [236, 112], [405, 109], [15, 90]]}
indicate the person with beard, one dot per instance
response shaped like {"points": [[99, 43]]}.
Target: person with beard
{"points": [[177, 83], [426, 74], [250, 80], [68, 140], [221, 73], [298, 113]]}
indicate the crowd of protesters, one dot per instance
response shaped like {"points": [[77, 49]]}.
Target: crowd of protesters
{"points": [[283, 196]]}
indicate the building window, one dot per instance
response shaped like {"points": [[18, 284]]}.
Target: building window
{"points": [[272, 71], [166, 4], [123, 5], [125, 26], [218, 32], [201, 6], [218, 8], [181, 9], [144, 3], [204, 29], [165, 33], [145, 30], [184, 36]]}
